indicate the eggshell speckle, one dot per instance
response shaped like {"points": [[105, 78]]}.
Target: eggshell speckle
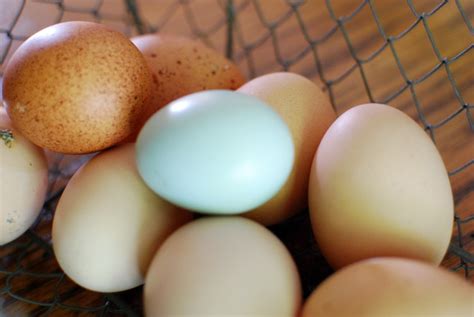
{"points": [[23, 181], [378, 187], [108, 224], [222, 266], [181, 66], [308, 113], [76, 87], [391, 287]]}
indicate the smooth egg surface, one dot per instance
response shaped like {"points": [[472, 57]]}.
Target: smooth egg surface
{"points": [[391, 287], [108, 224], [308, 113], [217, 152], [378, 187], [222, 266]]}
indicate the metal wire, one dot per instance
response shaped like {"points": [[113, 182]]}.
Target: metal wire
{"points": [[233, 16]]}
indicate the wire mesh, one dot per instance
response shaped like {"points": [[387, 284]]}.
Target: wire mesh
{"points": [[416, 55]]}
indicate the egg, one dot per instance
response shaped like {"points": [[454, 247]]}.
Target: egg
{"points": [[23, 181], [216, 152], [181, 66], [308, 113], [108, 224], [222, 266], [391, 287], [76, 87], [378, 187]]}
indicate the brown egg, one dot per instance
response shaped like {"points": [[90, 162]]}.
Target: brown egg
{"points": [[378, 187], [108, 224], [222, 266], [308, 113], [76, 87], [391, 287], [181, 66]]}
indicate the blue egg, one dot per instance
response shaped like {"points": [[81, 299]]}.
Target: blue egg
{"points": [[215, 152]]}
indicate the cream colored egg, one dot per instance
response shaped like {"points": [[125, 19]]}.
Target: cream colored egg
{"points": [[391, 287], [378, 187], [222, 266], [108, 224], [23, 181], [308, 113]]}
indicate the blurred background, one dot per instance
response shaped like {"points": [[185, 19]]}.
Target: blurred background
{"points": [[416, 55]]}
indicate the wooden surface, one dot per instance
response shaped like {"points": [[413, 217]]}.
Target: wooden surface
{"points": [[435, 95]]}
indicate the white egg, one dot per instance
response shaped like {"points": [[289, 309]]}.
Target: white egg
{"points": [[23, 181]]}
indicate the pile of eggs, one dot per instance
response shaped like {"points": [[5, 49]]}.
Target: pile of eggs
{"points": [[194, 162]]}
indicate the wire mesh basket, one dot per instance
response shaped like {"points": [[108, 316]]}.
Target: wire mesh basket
{"points": [[416, 55]]}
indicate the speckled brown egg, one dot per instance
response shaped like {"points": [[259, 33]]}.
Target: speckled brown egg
{"points": [[181, 66], [76, 87]]}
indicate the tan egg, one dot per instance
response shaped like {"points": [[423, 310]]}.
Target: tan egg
{"points": [[76, 87], [391, 287], [378, 187], [181, 66], [222, 266], [23, 181], [308, 113], [108, 224]]}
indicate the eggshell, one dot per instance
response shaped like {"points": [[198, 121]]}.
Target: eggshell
{"points": [[108, 224], [23, 181], [378, 187], [182, 66], [76, 87], [391, 287], [222, 266], [308, 113], [217, 151]]}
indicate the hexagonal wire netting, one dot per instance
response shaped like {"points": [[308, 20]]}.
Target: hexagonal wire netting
{"points": [[416, 55]]}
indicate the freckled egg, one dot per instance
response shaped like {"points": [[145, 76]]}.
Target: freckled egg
{"points": [[216, 151], [23, 181], [308, 113], [76, 87], [391, 287], [222, 266], [108, 224], [378, 187], [181, 66]]}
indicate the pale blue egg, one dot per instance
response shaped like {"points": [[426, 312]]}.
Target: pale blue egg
{"points": [[216, 152]]}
